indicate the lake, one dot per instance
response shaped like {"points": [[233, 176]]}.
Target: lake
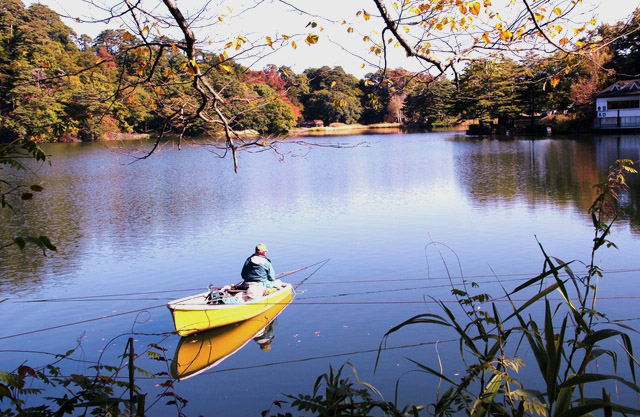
{"points": [[132, 236]]}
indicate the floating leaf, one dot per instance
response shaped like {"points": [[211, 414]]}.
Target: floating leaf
{"points": [[36, 188]]}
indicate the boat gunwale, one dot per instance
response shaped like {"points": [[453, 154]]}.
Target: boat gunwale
{"points": [[182, 304]]}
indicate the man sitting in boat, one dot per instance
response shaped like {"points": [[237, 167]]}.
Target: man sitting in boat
{"points": [[257, 272]]}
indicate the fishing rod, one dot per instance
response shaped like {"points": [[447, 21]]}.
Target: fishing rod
{"points": [[322, 263]]}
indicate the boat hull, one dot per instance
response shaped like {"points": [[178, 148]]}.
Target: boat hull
{"points": [[202, 351], [192, 314]]}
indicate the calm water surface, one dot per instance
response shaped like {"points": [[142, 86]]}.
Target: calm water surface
{"points": [[133, 236]]}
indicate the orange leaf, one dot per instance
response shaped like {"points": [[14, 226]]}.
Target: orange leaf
{"points": [[475, 8]]}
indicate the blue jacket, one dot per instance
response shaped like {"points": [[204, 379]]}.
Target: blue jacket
{"points": [[258, 268]]}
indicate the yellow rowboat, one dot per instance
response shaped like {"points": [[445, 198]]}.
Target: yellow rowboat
{"points": [[194, 313], [202, 351]]}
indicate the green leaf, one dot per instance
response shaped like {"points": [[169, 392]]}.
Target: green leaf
{"points": [[586, 378], [4, 392], [597, 404], [20, 242]]}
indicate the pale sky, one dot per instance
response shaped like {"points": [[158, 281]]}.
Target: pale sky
{"points": [[274, 18]]}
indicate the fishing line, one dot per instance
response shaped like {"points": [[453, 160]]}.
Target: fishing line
{"points": [[106, 297], [378, 302]]}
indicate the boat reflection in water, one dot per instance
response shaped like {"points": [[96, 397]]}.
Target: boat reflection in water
{"points": [[199, 352]]}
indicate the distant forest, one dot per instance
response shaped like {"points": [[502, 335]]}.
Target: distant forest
{"points": [[56, 85]]}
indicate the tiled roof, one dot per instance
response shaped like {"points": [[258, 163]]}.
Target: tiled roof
{"points": [[621, 89]]}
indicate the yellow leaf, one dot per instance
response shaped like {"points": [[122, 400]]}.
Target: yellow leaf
{"points": [[366, 39], [463, 9], [220, 18], [558, 28], [475, 9], [145, 31], [293, 45], [557, 11], [350, 30], [229, 8], [594, 22], [555, 80], [406, 29], [487, 3], [228, 45], [362, 65], [333, 84], [226, 69], [174, 47], [485, 37], [579, 44], [368, 83], [168, 72], [269, 42], [506, 35], [564, 41], [311, 39], [538, 17], [358, 13], [159, 91], [366, 16], [285, 37], [127, 36]]}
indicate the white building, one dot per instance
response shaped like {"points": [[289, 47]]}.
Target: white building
{"points": [[618, 106]]}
